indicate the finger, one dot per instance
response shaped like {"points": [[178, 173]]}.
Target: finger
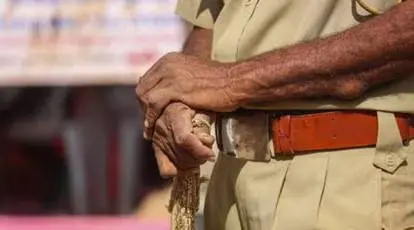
{"points": [[160, 128], [202, 131], [193, 145], [144, 82], [157, 102], [185, 160], [206, 139], [178, 157], [145, 134], [165, 166], [182, 130], [141, 104], [143, 111], [203, 134], [164, 144]]}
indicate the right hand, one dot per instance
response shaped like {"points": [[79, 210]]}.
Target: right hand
{"points": [[175, 137], [178, 77]]}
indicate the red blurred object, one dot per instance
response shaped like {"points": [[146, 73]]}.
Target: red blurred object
{"points": [[83, 223], [29, 177]]}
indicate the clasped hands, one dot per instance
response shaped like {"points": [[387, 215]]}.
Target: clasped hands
{"points": [[170, 93]]}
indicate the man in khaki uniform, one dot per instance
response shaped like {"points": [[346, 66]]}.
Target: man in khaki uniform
{"points": [[313, 102]]}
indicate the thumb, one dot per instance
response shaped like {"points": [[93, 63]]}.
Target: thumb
{"points": [[204, 137]]}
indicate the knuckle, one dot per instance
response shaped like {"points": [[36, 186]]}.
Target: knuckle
{"points": [[138, 92], [151, 101], [143, 100], [157, 129], [160, 129], [157, 141], [182, 140]]}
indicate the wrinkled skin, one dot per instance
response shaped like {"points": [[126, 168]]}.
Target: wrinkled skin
{"points": [[174, 136], [183, 78]]}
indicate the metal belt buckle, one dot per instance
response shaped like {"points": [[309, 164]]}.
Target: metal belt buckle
{"points": [[224, 140]]}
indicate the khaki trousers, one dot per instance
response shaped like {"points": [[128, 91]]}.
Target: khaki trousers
{"points": [[358, 189]]}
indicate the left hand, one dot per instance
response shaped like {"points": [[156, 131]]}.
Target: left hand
{"points": [[187, 79], [188, 154], [177, 136]]}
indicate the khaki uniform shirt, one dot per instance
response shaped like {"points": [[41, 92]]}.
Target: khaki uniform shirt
{"points": [[245, 28], [339, 190]]}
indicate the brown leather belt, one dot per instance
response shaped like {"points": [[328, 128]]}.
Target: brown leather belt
{"points": [[299, 134]]}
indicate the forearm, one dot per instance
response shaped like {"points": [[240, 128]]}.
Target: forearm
{"points": [[199, 44], [342, 66]]}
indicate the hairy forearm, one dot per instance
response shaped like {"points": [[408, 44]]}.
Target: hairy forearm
{"points": [[342, 66]]}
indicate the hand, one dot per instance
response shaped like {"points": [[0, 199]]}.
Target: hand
{"points": [[186, 146], [192, 81]]}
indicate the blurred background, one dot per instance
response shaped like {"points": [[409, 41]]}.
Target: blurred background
{"points": [[71, 135]]}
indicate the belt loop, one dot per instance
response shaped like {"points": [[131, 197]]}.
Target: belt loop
{"points": [[390, 151]]}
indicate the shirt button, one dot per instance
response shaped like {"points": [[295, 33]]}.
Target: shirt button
{"points": [[390, 161]]}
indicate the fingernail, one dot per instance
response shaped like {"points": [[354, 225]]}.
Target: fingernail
{"points": [[145, 136], [146, 124], [212, 159]]}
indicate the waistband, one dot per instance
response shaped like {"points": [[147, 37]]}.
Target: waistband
{"points": [[299, 132]]}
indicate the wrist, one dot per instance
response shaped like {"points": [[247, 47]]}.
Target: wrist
{"points": [[246, 82], [178, 107]]}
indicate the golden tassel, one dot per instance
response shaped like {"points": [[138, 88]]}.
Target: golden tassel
{"points": [[184, 200], [185, 194]]}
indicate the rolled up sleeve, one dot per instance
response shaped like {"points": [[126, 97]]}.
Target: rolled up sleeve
{"points": [[202, 13]]}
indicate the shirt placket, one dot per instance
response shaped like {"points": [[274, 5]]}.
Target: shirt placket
{"points": [[229, 46], [249, 8], [238, 28]]}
